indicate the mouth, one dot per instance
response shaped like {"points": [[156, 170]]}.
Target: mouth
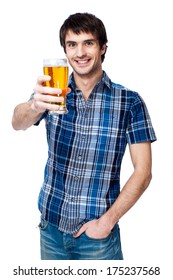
{"points": [[82, 62]]}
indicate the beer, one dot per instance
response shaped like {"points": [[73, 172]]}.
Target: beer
{"points": [[58, 70]]}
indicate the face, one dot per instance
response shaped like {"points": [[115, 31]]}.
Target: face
{"points": [[83, 53]]}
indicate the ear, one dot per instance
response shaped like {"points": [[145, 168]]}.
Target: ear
{"points": [[103, 49]]}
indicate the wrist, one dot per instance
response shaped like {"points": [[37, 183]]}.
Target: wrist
{"points": [[35, 108], [106, 222], [109, 219]]}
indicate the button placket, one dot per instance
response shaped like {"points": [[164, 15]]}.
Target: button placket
{"points": [[76, 178], [79, 156]]}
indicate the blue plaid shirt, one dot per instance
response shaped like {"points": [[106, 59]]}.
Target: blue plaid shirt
{"points": [[85, 151]]}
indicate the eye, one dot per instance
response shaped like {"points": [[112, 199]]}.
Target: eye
{"points": [[89, 43], [71, 45]]}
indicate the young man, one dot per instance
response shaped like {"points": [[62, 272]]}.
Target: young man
{"points": [[81, 200]]}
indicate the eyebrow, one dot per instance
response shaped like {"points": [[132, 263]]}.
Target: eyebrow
{"points": [[85, 41]]}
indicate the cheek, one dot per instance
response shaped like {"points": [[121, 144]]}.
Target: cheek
{"points": [[70, 54]]}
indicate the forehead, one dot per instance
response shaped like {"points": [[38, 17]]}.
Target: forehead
{"points": [[82, 36]]}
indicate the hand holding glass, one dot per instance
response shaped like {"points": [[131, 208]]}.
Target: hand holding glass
{"points": [[57, 69]]}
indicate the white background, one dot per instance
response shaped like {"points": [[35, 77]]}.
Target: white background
{"points": [[140, 57]]}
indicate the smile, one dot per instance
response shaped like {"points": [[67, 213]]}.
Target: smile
{"points": [[82, 62]]}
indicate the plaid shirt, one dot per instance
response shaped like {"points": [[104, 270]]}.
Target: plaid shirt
{"points": [[85, 151]]}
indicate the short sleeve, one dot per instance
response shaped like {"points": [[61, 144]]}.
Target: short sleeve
{"points": [[139, 128]]}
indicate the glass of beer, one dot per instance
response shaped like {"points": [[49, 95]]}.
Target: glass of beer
{"points": [[58, 70]]}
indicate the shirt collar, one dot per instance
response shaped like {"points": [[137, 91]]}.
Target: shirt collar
{"points": [[105, 80]]}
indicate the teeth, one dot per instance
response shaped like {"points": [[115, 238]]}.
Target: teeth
{"points": [[82, 62]]}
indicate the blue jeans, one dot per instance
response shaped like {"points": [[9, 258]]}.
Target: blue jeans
{"points": [[56, 245]]}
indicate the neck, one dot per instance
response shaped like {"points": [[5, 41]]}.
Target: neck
{"points": [[87, 83]]}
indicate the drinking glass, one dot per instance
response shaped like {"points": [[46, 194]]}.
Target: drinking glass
{"points": [[58, 70]]}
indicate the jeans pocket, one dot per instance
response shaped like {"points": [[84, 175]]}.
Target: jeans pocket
{"points": [[43, 224], [98, 239]]}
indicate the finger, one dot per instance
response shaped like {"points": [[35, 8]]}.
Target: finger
{"points": [[48, 98], [42, 106], [80, 231], [43, 79], [47, 90]]}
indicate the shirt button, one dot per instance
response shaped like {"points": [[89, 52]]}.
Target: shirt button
{"points": [[79, 157], [76, 178]]}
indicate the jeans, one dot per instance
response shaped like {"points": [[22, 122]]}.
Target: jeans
{"points": [[56, 245]]}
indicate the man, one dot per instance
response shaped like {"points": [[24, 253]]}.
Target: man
{"points": [[81, 200]]}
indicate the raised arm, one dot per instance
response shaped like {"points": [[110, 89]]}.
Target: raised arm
{"points": [[28, 113]]}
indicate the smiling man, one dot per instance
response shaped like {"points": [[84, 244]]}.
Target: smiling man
{"points": [[81, 200]]}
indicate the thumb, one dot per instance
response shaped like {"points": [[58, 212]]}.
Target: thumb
{"points": [[68, 90], [80, 231]]}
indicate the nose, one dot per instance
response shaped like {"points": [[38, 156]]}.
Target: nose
{"points": [[80, 51]]}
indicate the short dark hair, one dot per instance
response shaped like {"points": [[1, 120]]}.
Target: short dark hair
{"points": [[84, 22]]}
